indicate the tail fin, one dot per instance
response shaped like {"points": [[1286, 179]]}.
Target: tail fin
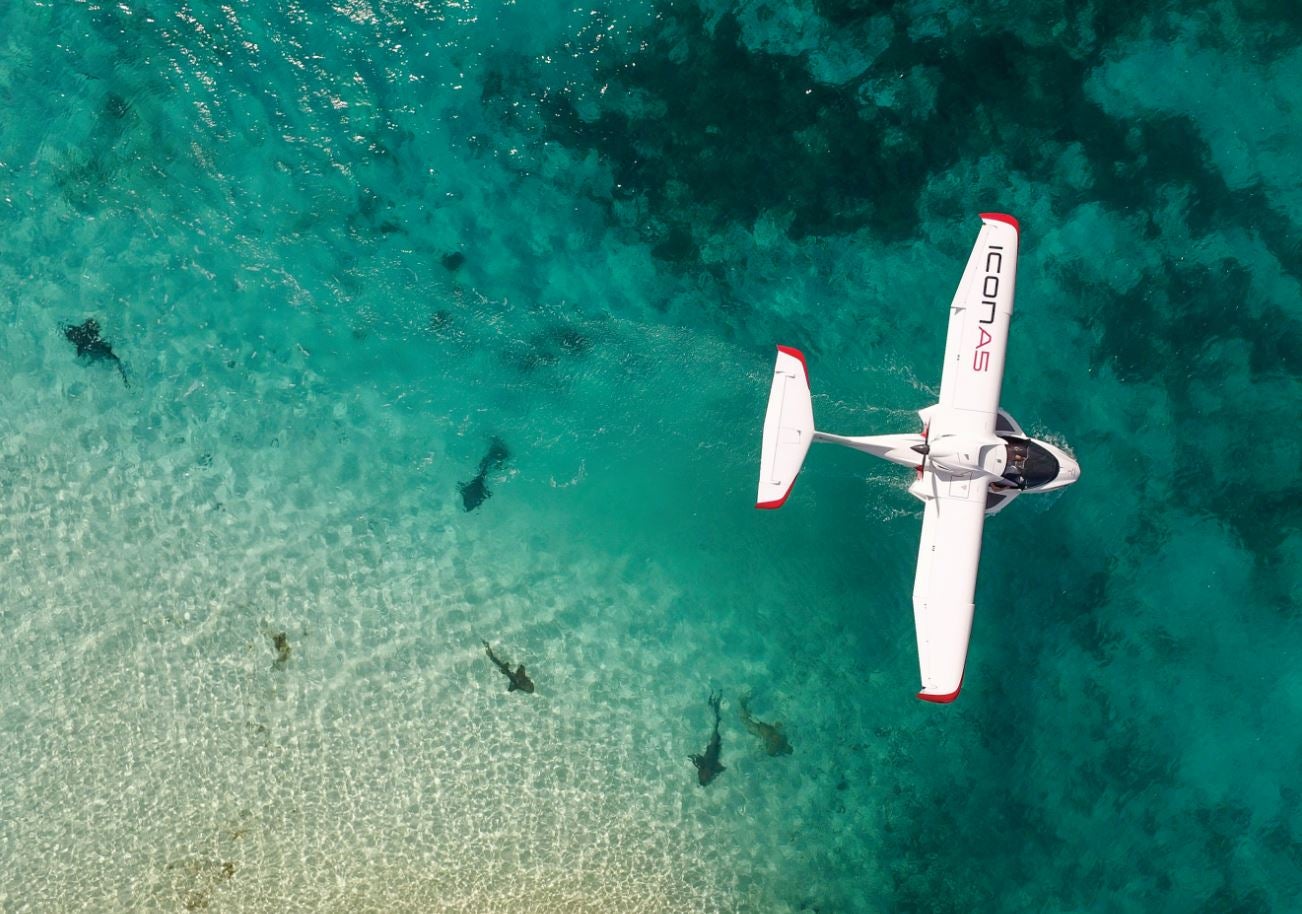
{"points": [[788, 429]]}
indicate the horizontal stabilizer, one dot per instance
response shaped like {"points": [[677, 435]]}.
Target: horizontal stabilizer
{"points": [[788, 429]]}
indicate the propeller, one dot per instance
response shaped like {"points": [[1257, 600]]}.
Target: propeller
{"points": [[924, 449]]}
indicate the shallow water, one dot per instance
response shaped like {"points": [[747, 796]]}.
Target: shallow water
{"points": [[258, 201]]}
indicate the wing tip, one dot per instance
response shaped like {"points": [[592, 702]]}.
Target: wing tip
{"points": [[939, 699], [796, 353], [777, 502], [942, 698], [1005, 218]]}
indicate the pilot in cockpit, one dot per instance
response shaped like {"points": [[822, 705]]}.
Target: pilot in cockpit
{"points": [[1015, 467]]}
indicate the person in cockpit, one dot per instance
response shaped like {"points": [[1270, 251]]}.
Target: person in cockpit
{"points": [[1014, 467], [1028, 466]]}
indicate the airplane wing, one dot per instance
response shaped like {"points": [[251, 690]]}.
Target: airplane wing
{"points": [[955, 503], [945, 584], [978, 330]]}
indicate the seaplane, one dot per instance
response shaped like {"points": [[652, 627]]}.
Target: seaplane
{"points": [[970, 460]]}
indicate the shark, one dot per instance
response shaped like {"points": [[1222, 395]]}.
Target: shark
{"points": [[708, 766], [92, 347], [775, 743], [520, 681], [475, 493]]}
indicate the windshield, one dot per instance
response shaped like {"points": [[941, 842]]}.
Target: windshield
{"points": [[1031, 462]]}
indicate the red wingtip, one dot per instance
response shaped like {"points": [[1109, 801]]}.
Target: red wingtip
{"points": [[943, 699], [773, 505], [800, 355], [1003, 217]]}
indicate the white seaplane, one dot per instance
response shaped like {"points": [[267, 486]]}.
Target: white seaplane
{"points": [[971, 459]]}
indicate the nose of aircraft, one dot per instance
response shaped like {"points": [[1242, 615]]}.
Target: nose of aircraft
{"points": [[1068, 470]]}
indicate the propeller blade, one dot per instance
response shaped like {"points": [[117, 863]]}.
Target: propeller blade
{"points": [[924, 449]]}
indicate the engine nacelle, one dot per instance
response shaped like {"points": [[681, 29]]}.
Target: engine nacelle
{"points": [[961, 454]]}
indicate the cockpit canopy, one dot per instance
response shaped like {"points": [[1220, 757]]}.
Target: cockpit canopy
{"points": [[1029, 464]]}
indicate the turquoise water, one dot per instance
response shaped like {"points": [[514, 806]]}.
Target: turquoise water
{"points": [[258, 200]]}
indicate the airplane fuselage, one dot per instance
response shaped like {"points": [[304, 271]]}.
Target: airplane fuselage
{"points": [[1029, 464]]}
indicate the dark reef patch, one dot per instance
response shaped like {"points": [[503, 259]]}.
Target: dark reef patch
{"points": [[733, 132], [721, 134], [727, 138]]}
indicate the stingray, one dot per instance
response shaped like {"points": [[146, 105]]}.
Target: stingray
{"points": [[475, 493], [92, 347]]}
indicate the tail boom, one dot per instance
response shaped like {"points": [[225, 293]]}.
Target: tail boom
{"points": [[789, 431]]}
